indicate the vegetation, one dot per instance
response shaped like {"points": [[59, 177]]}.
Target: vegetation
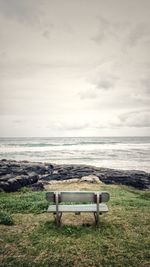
{"points": [[34, 240], [6, 218]]}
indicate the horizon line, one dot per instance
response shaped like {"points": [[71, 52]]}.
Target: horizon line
{"points": [[116, 136]]}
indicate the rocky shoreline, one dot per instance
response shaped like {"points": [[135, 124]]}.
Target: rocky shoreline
{"points": [[17, 174]]}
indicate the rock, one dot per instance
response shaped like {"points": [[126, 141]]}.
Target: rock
{"points": [[4, 186], [16, 174], [90, 179], [37, 186], [64, 181], [6, 177], [23, 180], [14, 185], [45, 177], [33, 178], [4, 170], [4, 160]]}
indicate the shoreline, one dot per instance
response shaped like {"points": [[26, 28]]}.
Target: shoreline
{"points": [[17, 174]]}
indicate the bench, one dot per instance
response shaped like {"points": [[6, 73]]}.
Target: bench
{"points": [[84, 201]]}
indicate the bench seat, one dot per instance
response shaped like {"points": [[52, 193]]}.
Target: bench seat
{"points": [[79, 208]]}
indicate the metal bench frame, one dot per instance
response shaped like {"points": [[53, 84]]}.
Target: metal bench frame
{"points": [[96, 198]]}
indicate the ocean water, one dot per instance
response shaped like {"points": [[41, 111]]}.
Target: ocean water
{"points": [[110, 152]]}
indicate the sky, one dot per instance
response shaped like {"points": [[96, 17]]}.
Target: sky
{"points": [[74, 68]]}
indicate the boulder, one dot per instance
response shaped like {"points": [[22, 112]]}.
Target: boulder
{"points": [[14, 185], [90, 179]]}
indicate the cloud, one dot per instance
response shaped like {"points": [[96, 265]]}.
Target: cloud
{"points": [[141, 90], [22, 11], [136, 119], [126, 32], [103, 29], [145, 85], [105, 84], [46, 34], [139, 32], [109, 30], [30, 13], [105, 81], [90, 93], [102, 82], [22, 68], [69, 125], [19, 121]]}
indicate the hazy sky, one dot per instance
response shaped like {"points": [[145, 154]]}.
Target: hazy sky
{"points": [[74, 67]]}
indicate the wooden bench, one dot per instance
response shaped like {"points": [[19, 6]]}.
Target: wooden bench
{"points": [[84, 201]]}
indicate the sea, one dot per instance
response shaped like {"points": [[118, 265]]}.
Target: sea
{"points": [[128, 153]]}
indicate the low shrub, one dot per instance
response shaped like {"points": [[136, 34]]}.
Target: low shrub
{"points": [[6, 218]]}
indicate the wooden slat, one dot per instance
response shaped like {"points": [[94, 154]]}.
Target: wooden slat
{"points": [[77, 197], [79, 208]]}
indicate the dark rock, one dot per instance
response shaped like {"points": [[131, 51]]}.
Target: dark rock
{"points": [[14, 185], [23, 180], [16, 174], [37, 186], [4, 170], [45, 177], [4, 186], [6, 177], [33, 177]]}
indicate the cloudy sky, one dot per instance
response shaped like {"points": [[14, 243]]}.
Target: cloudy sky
{"points": [[74, 67]]}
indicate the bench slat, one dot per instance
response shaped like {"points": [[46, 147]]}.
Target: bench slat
{"points": [[77, 197], [79, 208]]}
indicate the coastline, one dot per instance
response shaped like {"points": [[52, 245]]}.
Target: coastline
{"points": [[17, 174]]}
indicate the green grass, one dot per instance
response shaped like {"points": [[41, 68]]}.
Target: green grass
{"points": [[27, 202], [34, 240], [6, 218]]}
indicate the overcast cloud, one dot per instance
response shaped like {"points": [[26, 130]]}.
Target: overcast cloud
{"points": [[74, 68]]}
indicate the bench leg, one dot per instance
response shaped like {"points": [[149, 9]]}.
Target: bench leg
{"points": [[97, 220], [58, 218]]}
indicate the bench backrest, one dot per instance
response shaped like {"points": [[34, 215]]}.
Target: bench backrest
{"points": [[77, 196]]}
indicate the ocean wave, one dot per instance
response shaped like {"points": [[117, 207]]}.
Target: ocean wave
{"points": [[130, 153]]}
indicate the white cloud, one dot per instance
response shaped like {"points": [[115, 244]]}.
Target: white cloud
{"points": [[105, 82], [133, 119]]}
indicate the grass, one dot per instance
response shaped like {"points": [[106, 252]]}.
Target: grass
{"points": [[6, 218], [34, 240]]}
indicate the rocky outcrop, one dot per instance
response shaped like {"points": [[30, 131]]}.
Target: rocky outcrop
{"points": [[16, 174]]}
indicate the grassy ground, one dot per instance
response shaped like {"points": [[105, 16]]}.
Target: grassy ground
{"points": [[34, 240]]}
